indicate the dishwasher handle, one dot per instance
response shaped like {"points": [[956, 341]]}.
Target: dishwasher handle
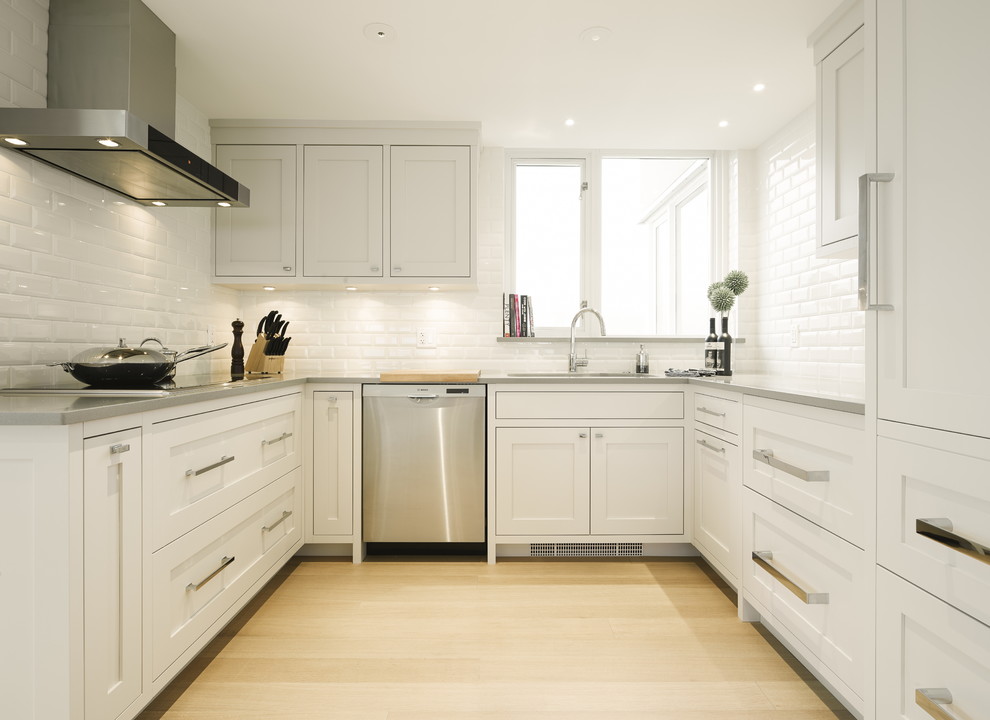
{"points": [[422, 397]]}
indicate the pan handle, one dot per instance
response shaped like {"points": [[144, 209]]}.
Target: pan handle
{"points": [[197, 351]]}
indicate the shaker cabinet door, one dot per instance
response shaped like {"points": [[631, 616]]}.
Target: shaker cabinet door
{"points": [[258, 241], [342, 211], [430, 212], [933, 256]]}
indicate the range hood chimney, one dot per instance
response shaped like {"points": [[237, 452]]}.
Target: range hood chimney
{"points": [[111, 109]]}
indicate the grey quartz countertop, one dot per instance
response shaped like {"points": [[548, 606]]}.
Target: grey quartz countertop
{"points": [[833, 395], [74, 408]]}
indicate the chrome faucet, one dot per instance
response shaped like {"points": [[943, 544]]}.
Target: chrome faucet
{"points": [[574, 362]]}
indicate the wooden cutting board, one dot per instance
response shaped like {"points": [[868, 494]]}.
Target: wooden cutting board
{"points": [[430, 376]]}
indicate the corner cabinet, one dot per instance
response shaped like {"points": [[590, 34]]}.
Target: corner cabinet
{"points": [[841, 129], [336, 207], [134, 543], [589, 470]]}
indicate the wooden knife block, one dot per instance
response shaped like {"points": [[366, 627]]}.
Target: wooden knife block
{"points": [[260, 363]]}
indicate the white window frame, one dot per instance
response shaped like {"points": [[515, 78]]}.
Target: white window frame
{"points": [[591, 212]]}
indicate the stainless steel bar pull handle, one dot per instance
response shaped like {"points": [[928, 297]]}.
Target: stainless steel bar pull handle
{"points": [[706, 444], [711, 412], [934, 701], [222, 461], [767, 457], [940, 530], [764, 558], [223, 563], [279, 439], [864, 238], [119, 448], [269, 528]]}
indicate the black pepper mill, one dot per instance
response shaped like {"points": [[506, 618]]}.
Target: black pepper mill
{"points": [[237, 351]]}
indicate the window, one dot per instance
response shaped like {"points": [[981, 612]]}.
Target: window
{"points": [[635, 240]]}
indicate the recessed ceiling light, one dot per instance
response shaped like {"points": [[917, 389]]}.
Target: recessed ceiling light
{"points": [[15, 141], [223, 204], [723, 123], [350, 288], [269, 288], [759, 87], [379, 32], [158, 203], [108, 142], [434, 288], [569, 122], [595, 35]]}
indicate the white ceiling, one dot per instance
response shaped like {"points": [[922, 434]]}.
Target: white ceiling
{"points": [[664, 78]]}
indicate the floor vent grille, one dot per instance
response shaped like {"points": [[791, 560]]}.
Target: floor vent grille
{"points": [[586, 549]]}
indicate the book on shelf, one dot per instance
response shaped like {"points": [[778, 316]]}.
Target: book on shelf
{"points": [[517, 315]]}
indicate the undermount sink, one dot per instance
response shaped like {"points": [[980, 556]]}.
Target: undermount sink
{"points": [[565, 374]]}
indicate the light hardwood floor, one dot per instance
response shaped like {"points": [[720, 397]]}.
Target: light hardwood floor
{"points": [[519, 640]]}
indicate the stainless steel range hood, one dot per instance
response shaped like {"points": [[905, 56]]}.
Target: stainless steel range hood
{"points": [[111, 109]]}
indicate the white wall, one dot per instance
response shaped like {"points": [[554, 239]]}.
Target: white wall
{"points": [[77, 270], [789, 285]]}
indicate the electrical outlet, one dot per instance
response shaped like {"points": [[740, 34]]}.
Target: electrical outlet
{"points": [[426, 337], [795, 336]]}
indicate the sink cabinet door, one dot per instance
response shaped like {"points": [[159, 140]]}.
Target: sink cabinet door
{"points": [[542, 478], [637, 481]]}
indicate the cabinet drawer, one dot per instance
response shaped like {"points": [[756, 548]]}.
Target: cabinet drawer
{"points": [[589, 405], [949, 491], [200, 576], [830, 624], [814, 463], [205, 463], [925, 644], [718, 412]]}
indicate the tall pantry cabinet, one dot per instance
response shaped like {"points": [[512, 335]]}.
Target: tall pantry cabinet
{"points": [[928, 261]]}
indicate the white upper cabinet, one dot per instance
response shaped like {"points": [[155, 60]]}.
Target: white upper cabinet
{"points": [[841, 124], [258, 241], [431, 212], [342, 211], [932, 105], [375, 207]]}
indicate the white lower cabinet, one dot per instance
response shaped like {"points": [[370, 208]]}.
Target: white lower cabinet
{"points": [[200, 576], [543, 481], [205, 462], [596, 480], [812, 461], [933, 510], [933, 661], [811, 587], [112, 561], [332, 482], [718, 504]]}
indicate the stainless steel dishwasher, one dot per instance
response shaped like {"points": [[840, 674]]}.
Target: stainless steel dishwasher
{"points": [[424, 463]]}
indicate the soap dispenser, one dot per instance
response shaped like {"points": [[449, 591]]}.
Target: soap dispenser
{"points": [[642, 361]]}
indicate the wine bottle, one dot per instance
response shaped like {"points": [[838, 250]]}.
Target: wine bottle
{"points": [[711, 347], [725, 350]]}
